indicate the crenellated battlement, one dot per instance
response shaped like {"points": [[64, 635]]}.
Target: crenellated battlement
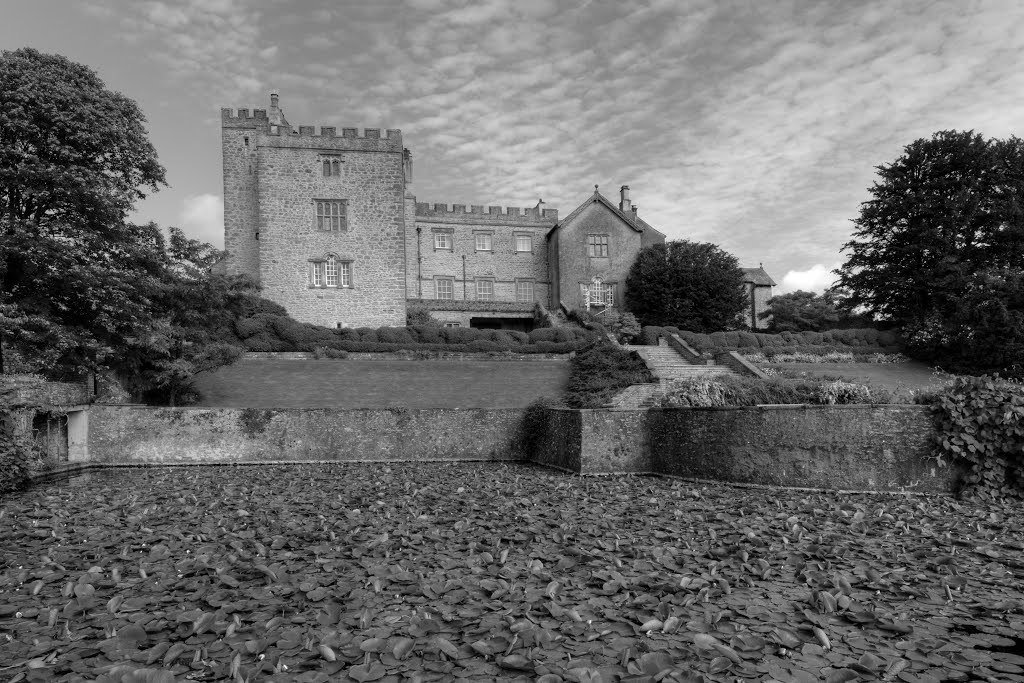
{"points": [[259, 117], [494, 213], [243, 115]]}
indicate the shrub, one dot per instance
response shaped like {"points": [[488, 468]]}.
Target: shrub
{"points": [[518, 337], [483, 345], [394, 335], [726, 391], [427, 334], [249, 327], [980, 422], [544, 334], [418, 315], [649, 335], [600, 371], [18, 457]]}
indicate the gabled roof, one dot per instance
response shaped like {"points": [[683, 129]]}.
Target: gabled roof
{"points": [[758, 277], [601, 199]]}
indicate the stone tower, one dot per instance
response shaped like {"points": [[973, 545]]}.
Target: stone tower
{"points": [[318, 219]]}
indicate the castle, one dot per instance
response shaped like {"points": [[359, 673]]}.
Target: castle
{"points": [[329, 227]]}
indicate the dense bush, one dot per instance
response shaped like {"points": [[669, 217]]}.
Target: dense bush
{"points": [[600, 371], [980, 422], [727, 390], [864, 340]]}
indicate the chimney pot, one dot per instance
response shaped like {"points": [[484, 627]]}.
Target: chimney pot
{"points": [[624, 205]]}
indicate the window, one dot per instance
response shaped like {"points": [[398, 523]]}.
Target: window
{"points": [[485, 290], [483, 242], [332, 272], [331, 214], [524, 290], [453, 324], [442, 240], [597, 294], [597, 245], [332, 167], [444, 288], [524, 243]]}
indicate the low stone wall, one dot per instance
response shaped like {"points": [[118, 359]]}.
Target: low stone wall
{"points": [[140, 434], [858, 447]]}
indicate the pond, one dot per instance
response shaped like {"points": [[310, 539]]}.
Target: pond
{"points": [[499, 571]]}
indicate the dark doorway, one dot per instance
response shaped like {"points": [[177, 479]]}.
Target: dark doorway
{"points": [[516, 324]]}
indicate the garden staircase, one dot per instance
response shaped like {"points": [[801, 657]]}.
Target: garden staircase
{"points": [[666, 364]]}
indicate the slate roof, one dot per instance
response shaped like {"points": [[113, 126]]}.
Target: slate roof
{"points": [[598, 197], [758, 277]]}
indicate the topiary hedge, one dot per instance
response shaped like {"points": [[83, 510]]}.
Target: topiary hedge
{"points": [[866, 340]]}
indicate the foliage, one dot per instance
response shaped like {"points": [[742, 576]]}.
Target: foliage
{"points": [[418, 315], [980, 422], [802, 311], [496, 571], [797, 355], [863, 343], [693, 285], [75, 276], [19, 456], [623, 325], [196, 319], [728, 390], [600, 371], [938, 249]]}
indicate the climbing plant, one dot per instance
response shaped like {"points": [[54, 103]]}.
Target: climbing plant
{"points": [[980, 423]]}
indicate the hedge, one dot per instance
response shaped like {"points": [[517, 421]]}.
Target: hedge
{"points": [[863, 340], [273, 333], [600, 371]]}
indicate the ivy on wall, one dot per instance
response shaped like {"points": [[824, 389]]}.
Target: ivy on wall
{"points": [[980, 422]]}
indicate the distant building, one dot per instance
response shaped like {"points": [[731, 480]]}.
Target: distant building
{"points": [[327, 224]]}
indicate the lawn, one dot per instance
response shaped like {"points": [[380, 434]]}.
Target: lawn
{"points": [[499, 572], [272, 383]]}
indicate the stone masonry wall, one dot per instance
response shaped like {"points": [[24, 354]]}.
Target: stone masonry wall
{"points": [[502, 265], [372, 182], [239, 137], [883, 447], [136, 434], [575, 266]]}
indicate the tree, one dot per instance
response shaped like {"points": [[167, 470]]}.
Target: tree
{"points": [[939, 249], [690, 285], [802, 311], [76, 278]]}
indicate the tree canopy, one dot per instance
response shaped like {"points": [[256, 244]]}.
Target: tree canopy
{"points": [[802, 311], [76, 278], [939, 250], [694, 286]]}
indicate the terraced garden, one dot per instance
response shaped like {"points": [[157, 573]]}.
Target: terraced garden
{"points": [[499, 572]]}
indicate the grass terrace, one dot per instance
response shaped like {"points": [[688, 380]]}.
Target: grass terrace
{"points": [[481, 572]]}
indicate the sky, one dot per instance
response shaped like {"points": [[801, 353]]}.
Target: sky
{"points": [[755, 125]]}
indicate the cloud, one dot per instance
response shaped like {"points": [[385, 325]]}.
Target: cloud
{"points": [[817, 278], [202, 218]]}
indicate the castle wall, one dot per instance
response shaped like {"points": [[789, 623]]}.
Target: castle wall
{"points": [[240, 134], [371, 180], [576, 267], [502, 265]]}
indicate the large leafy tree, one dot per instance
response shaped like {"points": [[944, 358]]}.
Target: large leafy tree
{"points": [[694, 286], [939, 250], [802, 311], [76, 278]]}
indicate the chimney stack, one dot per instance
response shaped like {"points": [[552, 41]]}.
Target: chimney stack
{"points": [[624, 205], [407, 165], [273, 100]]}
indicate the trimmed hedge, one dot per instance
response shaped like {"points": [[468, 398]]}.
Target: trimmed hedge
{"points": [[273, 333], [863, 340]]}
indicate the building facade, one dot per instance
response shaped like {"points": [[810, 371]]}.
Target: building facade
{"points": [[329, 226]]}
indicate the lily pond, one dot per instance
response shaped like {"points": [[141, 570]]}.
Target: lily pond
{"points": [[491, 571]]}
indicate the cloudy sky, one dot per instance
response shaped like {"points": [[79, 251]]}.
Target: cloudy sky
{"points": [[755, 125]]}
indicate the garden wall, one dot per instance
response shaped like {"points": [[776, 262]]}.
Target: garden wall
{"points": [[140, 434]]}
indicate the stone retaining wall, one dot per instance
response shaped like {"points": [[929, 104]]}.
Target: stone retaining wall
{"points": [[141, 434]]}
